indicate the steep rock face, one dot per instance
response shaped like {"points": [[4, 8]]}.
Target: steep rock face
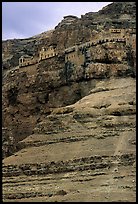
{"points": [[36, 90], [75, 110], [29, 93], [120, 10]]}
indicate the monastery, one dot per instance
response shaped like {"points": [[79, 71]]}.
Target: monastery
{"points": [[74, 54]]}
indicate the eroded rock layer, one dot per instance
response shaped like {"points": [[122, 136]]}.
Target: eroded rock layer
{"points": [[69, 118]]}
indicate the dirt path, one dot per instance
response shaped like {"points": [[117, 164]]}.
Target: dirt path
{"points": [[121, 144]]}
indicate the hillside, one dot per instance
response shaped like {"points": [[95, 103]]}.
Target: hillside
{"points": [[69, 110]]}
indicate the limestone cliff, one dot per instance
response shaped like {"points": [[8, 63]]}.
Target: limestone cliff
{"points": [[68, 96]]}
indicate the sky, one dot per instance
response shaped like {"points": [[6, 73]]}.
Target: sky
{"points": [[26, 19]]}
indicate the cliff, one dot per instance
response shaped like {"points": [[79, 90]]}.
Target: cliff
{"points": [[69, 109]]}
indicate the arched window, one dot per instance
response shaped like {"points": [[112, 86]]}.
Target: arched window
{"points": [[21, 60]]}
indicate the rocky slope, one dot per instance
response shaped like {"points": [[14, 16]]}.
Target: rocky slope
{"points": [[69, 126], [81, 152]]}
